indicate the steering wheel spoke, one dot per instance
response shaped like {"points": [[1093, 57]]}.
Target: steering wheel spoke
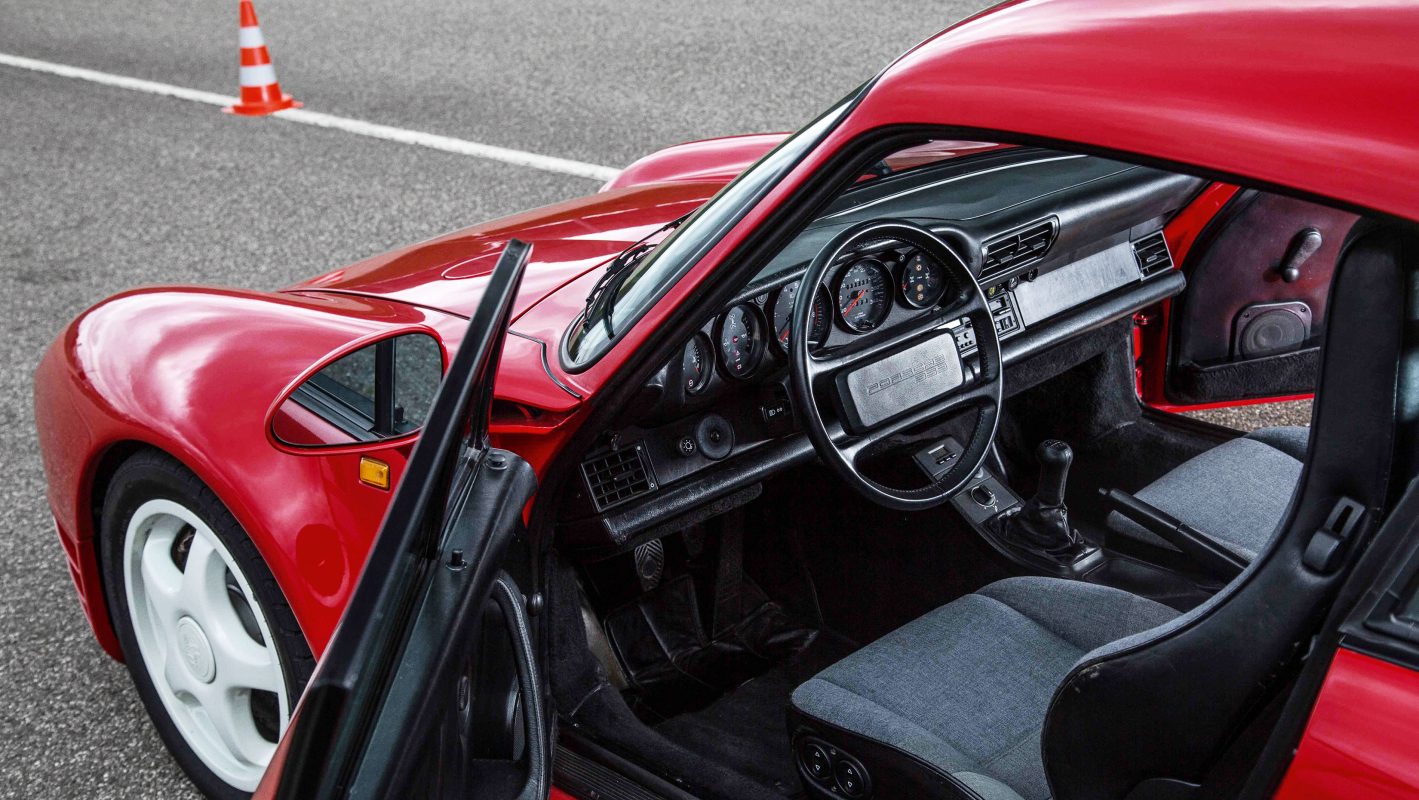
{"points": [[902, 377], [977, 396]]}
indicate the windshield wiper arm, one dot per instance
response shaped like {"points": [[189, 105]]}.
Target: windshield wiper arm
{"points": [[602, 299]]}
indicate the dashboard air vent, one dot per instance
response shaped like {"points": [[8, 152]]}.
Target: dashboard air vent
{"points": [[618, 476], [1016, 249], [1152, 254]]}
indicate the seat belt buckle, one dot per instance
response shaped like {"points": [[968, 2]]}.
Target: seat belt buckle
{"points": [[1331, 542]]}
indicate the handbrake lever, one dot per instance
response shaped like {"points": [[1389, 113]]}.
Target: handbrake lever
{"points": [[1208, 554]]}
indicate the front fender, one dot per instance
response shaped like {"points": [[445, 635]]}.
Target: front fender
{"points": [[195, 373]]}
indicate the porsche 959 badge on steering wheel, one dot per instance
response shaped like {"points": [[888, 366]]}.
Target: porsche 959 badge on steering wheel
{"points": [[893, 377]]}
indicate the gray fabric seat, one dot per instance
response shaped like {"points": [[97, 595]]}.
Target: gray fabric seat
{"points": [[965, 688], [1235, 493]]}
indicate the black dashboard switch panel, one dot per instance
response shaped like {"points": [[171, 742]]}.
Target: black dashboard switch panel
{"points": [[937, 459]]}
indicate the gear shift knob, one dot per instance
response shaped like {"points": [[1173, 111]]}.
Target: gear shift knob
{"points": [[1054, 457]]}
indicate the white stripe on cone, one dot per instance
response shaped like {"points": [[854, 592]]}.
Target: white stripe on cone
{"points": [[250, 37], [263, 75]]}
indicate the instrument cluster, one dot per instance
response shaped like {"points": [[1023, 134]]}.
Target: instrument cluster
{"points": [[865, 292]]}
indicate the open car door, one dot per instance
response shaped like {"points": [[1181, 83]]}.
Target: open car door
{"points": [[1248, 327], [430, 686]]}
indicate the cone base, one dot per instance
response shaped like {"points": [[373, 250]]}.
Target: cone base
{"points": [[263, 109]]}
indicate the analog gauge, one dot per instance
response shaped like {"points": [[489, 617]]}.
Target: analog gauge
{"points": [[923, 280], [695, 364], [741, 340], [783, 315], [864, 295]]}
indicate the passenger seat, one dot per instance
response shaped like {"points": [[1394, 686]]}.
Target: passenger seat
{"points": [[1235, 493]]}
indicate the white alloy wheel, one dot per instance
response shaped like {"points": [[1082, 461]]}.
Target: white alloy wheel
{"points": [[205, 641]]}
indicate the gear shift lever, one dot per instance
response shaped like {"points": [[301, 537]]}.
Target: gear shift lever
{"points": [[1054, 457], [1043, 520]]}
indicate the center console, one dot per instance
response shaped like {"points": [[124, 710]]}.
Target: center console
{"points": [[1033, 532]]}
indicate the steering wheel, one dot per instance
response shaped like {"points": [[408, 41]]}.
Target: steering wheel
{"points": [[899, 378]]}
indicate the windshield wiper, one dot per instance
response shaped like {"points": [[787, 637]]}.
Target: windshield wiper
{"points": [[602, 299]]}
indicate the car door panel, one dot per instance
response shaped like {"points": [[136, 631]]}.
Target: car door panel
{"points": [[1246, 328]]}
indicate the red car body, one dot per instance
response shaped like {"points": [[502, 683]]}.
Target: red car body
{"points": [[1277, 94]]}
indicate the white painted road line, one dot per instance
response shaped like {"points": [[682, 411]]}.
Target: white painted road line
{"points": [[433, 141], [448, 144]]}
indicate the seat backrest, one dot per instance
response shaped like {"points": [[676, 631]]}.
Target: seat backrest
{"points": [[1164, 704]]}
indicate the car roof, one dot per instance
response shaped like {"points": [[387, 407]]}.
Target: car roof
{"points": [[1321, 96]]}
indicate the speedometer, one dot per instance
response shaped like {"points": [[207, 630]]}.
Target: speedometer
{"points": [[741, 340], [864, 295], [783, 315]]}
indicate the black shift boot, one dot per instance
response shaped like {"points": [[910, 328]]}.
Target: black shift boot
{"points": [[1043, 521]]}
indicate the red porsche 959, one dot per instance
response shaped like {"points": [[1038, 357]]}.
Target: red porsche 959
{"points": [[841, 464]]}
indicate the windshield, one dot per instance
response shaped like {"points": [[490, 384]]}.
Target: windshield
{"points": [[657, 272]]}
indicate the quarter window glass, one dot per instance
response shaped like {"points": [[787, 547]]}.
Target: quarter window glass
{"points": [[418, 368], [350, 381], [380, 391]]}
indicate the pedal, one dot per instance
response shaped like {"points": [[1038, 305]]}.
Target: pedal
{"points": [[650, 564]]}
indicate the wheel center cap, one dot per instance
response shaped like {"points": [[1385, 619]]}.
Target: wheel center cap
{"points": [[196, 651]]}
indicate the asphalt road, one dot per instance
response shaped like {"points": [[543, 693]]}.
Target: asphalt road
{"points": [[105, 189]]}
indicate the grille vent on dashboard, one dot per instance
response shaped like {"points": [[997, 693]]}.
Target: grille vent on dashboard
{"points": [[617, 476], [1016, 249], [1152, 254]]}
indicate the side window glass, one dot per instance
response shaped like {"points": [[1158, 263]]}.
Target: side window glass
{"points": [[381, 391]]}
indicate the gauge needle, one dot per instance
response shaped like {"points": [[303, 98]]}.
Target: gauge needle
{"points": [[855, 301]]}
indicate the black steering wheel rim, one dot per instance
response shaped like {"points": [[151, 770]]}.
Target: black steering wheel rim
{"points": [[981, 387]]}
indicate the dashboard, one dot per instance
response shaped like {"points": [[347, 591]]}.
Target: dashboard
{"points": [[1061, 244]]}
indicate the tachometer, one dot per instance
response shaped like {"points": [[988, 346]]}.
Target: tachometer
{"points": [[741, 340], [695, 364], [923, 280], [864, 295], [783, 314]]}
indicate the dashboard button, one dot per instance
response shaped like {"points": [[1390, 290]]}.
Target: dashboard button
{"points": [[687, 446], [777, 416]]}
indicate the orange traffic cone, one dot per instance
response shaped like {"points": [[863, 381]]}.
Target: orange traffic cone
{"points": [[260, 93]]}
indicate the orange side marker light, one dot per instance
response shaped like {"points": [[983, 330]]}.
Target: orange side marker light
{"points": [[374, 473]]}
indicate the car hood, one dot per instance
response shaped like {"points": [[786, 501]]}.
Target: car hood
{"points": [[450, 273]]}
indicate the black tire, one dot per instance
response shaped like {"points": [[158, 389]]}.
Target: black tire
{"points": [[152, 475]]}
